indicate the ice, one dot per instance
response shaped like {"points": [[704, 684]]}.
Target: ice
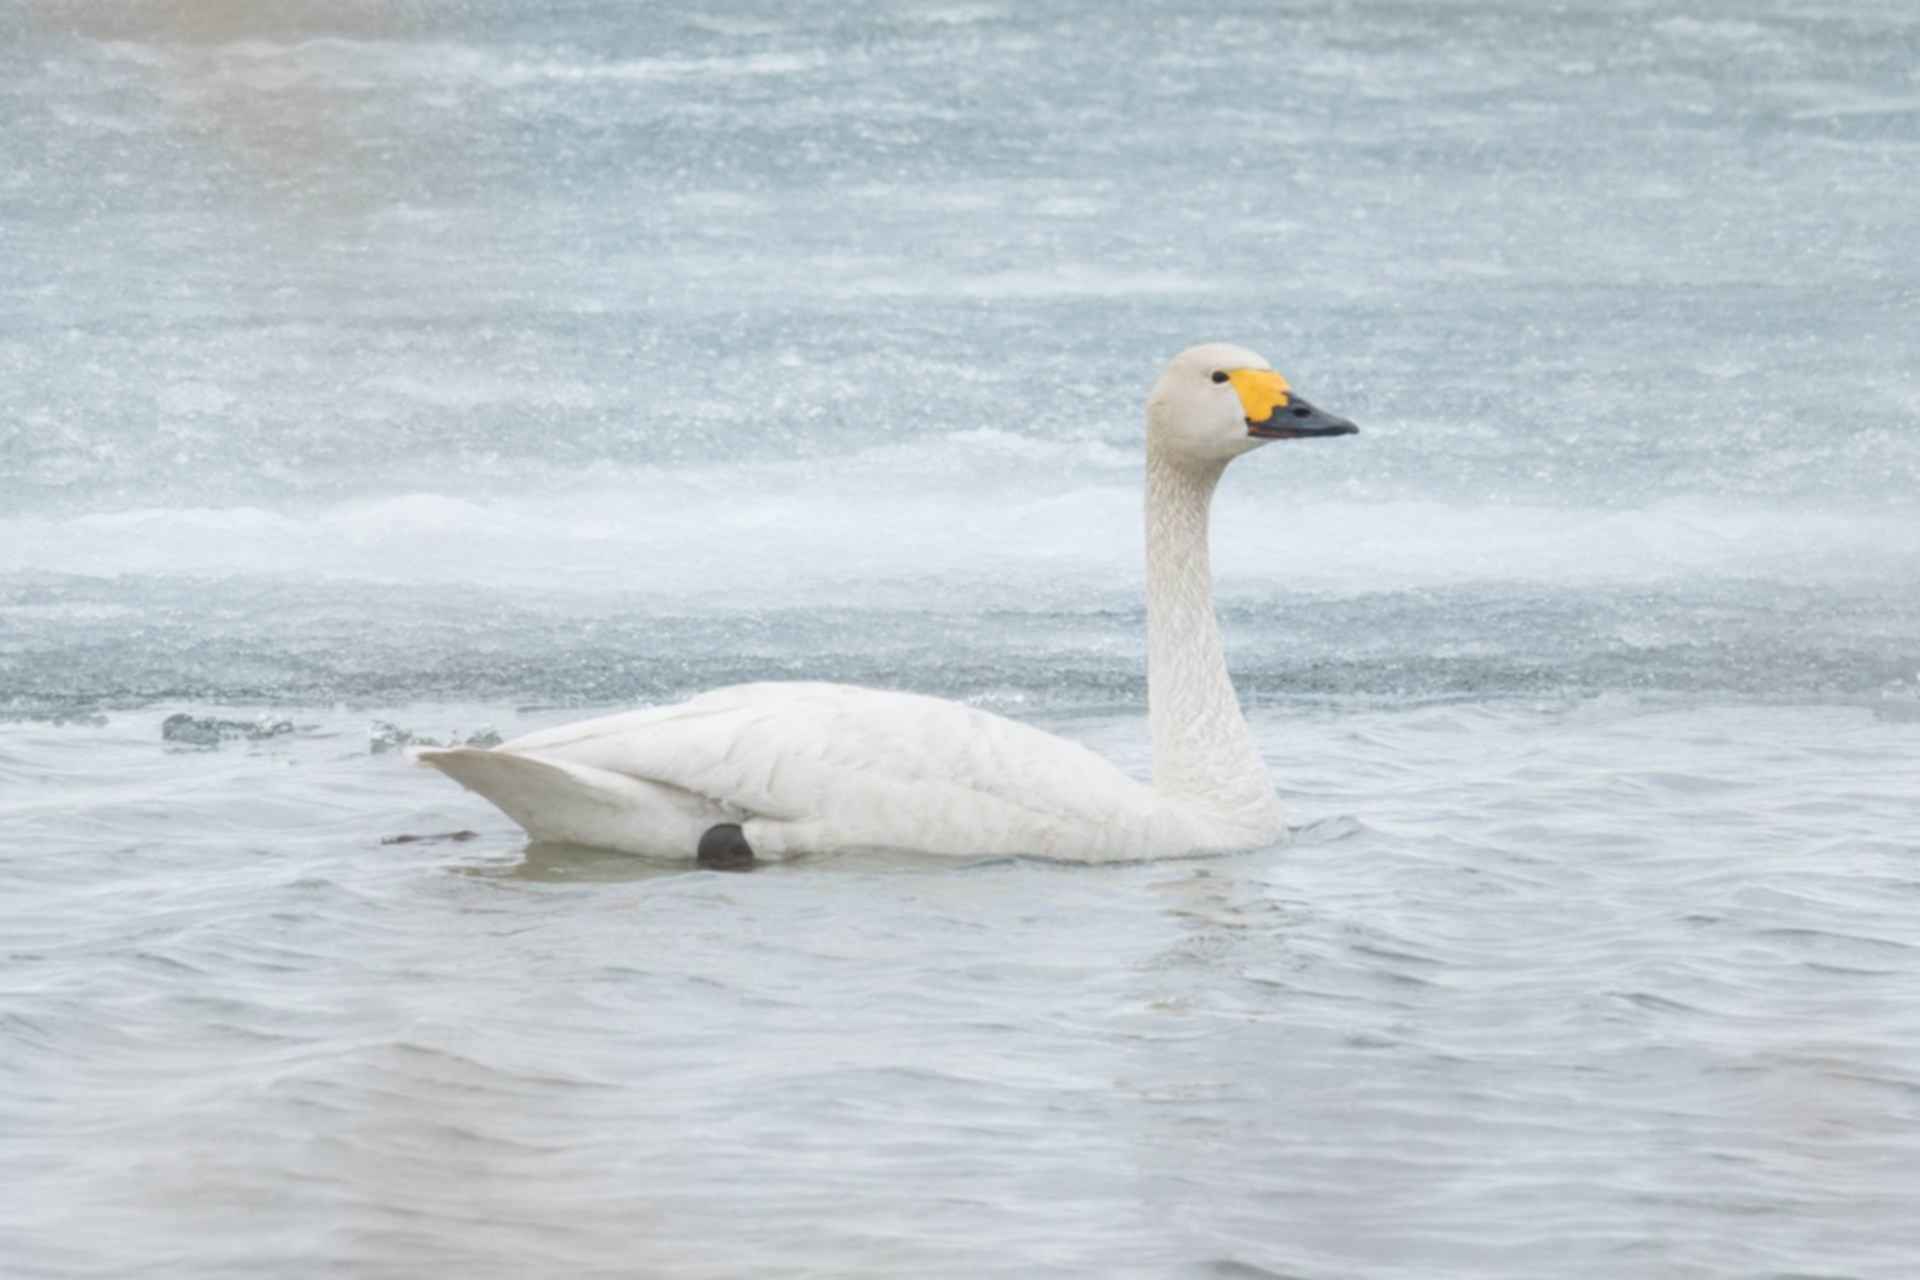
{"points": [[559, 320]]}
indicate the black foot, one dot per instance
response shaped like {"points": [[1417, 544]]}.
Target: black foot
{"points": [[725, 848]]}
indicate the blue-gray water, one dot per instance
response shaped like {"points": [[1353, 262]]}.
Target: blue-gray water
{"points": [[480, 365]]}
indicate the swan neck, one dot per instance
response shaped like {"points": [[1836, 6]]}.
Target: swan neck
{"points": [[1203, 752]]}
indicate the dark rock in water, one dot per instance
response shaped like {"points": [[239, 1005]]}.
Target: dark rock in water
{"points": [[211, 731], [187, 729], [454, 836]]}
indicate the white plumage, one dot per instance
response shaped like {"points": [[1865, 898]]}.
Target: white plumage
{"points": [[806, 768]]}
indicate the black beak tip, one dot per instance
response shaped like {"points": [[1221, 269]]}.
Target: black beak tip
{"points": [[1283, 430], [1296, 419]]}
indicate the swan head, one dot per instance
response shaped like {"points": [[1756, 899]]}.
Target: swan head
{"points": [[1217, 401]]}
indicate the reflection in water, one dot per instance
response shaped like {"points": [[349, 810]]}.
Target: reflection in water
{"points": [[561, 862], [579, 864]]}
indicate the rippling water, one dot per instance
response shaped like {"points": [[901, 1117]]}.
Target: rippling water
{"points": [[369, 376], [1598, 987]]}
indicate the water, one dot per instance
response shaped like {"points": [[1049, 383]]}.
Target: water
{"points": [[368, 375]]}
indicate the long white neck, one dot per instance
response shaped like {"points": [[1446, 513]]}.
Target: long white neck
{"points": [[1203, 753]]}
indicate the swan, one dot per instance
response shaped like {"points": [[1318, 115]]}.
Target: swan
{"points": [[776, 770]]}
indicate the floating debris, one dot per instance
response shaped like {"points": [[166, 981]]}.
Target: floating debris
{"points": [[211, 731], [385, 736]]}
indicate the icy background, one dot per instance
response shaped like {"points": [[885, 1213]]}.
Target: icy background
{"points": [[479, 364], [615, 314]]}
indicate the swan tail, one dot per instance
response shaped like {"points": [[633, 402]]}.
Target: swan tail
{"points": [[557, 801]]}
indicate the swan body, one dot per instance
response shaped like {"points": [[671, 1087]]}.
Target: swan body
{"points": [[812, 767]]}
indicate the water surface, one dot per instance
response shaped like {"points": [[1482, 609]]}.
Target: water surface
{"points": [[369, 375]]}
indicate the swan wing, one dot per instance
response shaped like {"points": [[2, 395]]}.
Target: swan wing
{"points": [[818, 766]]}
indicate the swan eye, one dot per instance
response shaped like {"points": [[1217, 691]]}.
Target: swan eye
{"points": [[1219, 376]]}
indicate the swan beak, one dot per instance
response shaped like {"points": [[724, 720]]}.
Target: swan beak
{"points": [[1275, 413]]}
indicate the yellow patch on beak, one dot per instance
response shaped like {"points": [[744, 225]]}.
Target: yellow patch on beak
{"points": [[1262, 392]]}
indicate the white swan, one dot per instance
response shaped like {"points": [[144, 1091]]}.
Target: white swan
{"points": [[776, 770]]}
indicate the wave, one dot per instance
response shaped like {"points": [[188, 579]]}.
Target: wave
{"points": [[275, 65]]}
